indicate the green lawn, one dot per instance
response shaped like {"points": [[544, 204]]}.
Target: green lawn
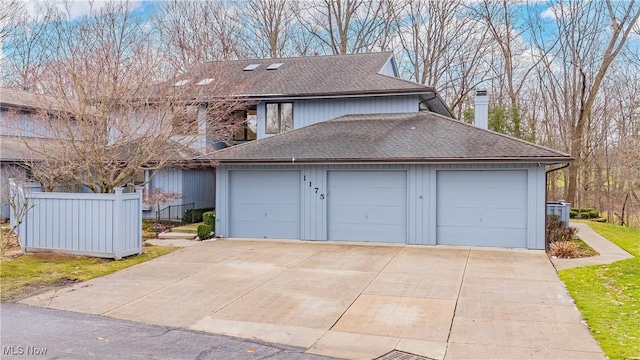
{"points": [[608, 296], [31, 272]]}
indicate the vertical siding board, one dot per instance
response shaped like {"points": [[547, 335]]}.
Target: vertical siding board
{"points": [[411, 202], [432, 205], [312, 111]]}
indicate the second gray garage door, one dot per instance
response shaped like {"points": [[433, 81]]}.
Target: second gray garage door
{"points": [[264, 204], [482, 208], [367, 206]]}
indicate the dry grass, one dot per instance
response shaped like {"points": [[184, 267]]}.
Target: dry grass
{"points": [[564, 249]]}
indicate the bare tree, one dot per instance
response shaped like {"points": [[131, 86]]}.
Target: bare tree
{"points": [[193, 32], [441, 47], [587, 39], [27, 40], [109, 116], [344, 26], [157, 198], [269, 25]]}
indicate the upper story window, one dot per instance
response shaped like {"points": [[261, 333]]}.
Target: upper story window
{"points": [[279, 118], [247, 131], [185, 120]]}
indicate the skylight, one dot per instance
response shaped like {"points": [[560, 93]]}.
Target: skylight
{"points": [[206, 81], [251, 67], [181, 82], [274, 66]]}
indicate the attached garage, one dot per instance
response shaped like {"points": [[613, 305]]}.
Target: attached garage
{"points": [[367, 206], [416, 178], [264, 204], [482, 208]]}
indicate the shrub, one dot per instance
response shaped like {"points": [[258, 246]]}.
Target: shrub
{"points": [[557, 230], [563, 249], [194, 215], [589, 214], [209, 218], [204, 231], [573, 214]]}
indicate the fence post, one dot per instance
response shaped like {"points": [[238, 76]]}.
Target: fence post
{"points": [[117, 224], [139, 191]]}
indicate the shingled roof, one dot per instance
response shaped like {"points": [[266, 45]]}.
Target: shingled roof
{"points": [[406, 137], [301, 76], [24, 100]]}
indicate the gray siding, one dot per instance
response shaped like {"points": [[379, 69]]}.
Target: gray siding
{"points": [[169, 181], [22, 124], [421, 197], [195, 185], [198, 187], [312, 111]]}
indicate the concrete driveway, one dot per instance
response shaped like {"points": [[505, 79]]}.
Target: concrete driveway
{"points": [[350, 301]]}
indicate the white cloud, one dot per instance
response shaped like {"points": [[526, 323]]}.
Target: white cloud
{"points": [[548, 13], [77, 8]]}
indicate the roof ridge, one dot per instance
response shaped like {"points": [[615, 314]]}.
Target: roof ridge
{"points": [[300, 57]]}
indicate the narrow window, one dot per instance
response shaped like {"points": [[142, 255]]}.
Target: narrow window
{"points": [[279, 118], [246, 121]]}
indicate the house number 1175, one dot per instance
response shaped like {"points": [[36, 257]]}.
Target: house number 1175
{"points": [[317, 189]]}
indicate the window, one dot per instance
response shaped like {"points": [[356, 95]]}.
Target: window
{"points": [[251, 67], [279, 118], [274, 66], [206, 81], [185, 120], [248, 131]]}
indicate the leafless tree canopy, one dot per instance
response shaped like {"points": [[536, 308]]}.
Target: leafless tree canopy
{"points": [[562, 74]]}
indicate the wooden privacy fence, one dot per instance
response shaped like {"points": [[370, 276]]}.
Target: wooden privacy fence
{"points": [[101, 225]]}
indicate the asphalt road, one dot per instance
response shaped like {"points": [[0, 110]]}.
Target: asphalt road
{"points": [[36, 333]]}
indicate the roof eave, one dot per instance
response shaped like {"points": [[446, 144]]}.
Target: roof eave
{"points": [[293, 160]]}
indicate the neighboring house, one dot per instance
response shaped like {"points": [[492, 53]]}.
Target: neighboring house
{"points": [[373, 158], [19, 113]]}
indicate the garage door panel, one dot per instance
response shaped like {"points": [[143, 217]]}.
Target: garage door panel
{"points": [[482, 208], [485, 178], [368, 196], [374, 178], [474, 236], [370, 215], [367, 206], [353, 232], [488, 217], [273, 212], [265, 203], [271, 230], [459, 197]]}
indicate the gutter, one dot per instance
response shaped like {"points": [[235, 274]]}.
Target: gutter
{"points": [[549, 161]]}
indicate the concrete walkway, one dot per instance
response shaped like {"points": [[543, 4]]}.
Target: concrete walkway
{"points": [[609, 252], [350, 301]]}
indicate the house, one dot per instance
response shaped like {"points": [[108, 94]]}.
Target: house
{"points": [[346, 151], [291, 93], [21, 117]]}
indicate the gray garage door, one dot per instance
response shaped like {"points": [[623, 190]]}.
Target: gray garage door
{"points": [[482, 208], [264, 204], [367, 206]]}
